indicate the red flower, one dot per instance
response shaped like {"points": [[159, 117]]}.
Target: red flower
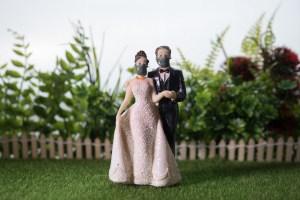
{"points": [[243, 67], [285, 64], [286, 57]]}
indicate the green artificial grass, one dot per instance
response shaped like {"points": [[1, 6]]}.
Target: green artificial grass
{"points": [[88, 179]]}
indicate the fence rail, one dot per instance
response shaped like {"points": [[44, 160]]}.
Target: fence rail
{"points": [[42, 147]]}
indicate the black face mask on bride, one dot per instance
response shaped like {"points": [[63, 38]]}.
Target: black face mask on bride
{"points": [[141, 69], [163, 62]]}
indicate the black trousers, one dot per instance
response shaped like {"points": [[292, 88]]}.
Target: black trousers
{"points": [[169, 115]]}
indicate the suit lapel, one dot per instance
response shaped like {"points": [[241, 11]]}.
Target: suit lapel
{"points": [[157, 80], [171, 78]]}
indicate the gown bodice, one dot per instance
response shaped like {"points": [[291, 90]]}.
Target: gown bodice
{"points": [[142, 92]]}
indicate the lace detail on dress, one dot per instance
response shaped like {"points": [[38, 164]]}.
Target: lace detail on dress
{"points": [[142, 93]]}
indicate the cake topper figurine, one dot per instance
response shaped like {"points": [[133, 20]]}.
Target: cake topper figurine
{"points": [[167, 78], [141, 154]]}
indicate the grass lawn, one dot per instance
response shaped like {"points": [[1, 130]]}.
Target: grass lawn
{"points": [[88, 179]]}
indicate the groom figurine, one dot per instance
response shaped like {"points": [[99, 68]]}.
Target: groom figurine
{"points": [[167, 78]]}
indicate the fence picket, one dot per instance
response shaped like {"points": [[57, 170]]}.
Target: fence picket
{"points": [[183, 150], [107, 149], [241, 150], [60, 145], [24, 146], [193, 150], [88, 148], [5, 147], [52, 147], [212, 149], [222, 149], [33, 147], [43, 146], [15, 147], [97, 148], [279, 150], [231, 150], [250, 150], [270, 149], [78, 149], [260, 150], [69, 148], [289, 149], [202, 151]]}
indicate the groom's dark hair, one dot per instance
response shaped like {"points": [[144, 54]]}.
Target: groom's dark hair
{"points": [[163, 47]]}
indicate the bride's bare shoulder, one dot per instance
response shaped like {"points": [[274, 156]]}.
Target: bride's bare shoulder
{"points": [[129, 82], [150, 80]]}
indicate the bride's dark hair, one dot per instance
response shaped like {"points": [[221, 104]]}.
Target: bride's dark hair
{"points": [[140, 54]]}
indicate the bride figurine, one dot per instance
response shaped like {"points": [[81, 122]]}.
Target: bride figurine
{"points": [[141, 154]]}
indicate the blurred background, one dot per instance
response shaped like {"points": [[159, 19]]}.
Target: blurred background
{"points": [[63, 65], [133, 25]]}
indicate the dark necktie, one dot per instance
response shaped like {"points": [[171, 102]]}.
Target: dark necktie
{"points": [[164, 70]]}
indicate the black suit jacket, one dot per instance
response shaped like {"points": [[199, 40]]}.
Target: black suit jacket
{"points": [[176, 82]]}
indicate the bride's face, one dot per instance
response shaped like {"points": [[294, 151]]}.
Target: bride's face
{"points": [[141, 61]]}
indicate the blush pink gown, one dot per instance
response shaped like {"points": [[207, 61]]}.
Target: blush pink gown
{"points": [[141, 154]]}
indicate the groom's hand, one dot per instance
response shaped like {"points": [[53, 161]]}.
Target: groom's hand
{"points": [[173, 95], [167, 94], [170, 94]]}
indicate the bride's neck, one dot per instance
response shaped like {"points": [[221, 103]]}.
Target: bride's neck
{"points": [[140, 76]]}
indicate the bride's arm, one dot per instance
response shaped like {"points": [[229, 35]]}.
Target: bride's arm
{"points": [[126, 100], [156, 97]]}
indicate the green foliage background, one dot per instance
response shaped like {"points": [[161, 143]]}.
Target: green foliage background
{"points": [[72, 100]]}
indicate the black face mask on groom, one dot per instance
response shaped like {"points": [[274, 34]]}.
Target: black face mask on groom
{"points": [[141, 69], [163, 62]]}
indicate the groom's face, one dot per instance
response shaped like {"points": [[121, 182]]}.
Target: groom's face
{"points": [[163, 53]]}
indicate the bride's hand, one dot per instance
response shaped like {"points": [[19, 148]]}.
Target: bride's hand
{"points": [[118, 117], [167, 93]]}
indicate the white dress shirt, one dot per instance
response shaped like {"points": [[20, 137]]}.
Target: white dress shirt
{"points": [[164, 75]]}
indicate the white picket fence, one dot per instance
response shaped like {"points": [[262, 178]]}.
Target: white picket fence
{"points": [[48, 148]]}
